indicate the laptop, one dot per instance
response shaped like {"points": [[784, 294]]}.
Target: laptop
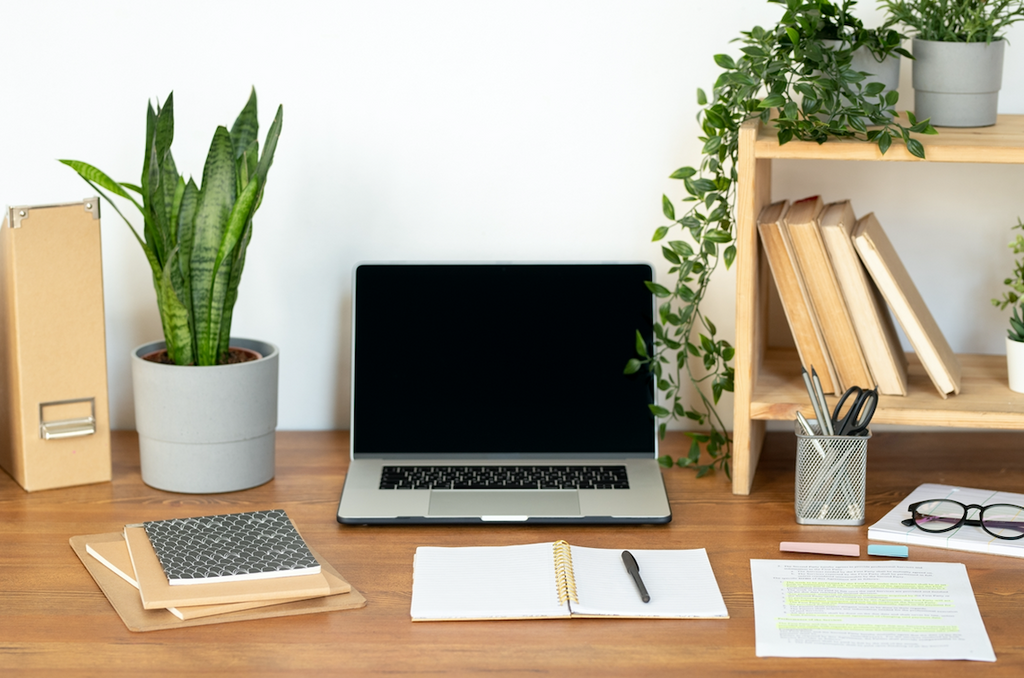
{"points": [[496, 393]]}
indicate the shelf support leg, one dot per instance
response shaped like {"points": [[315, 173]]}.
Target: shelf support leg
{"points": [[753, 193]]}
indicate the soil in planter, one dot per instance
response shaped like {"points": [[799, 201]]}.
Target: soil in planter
{"points": [[235, 355]]}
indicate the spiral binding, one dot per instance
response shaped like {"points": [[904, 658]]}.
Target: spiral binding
{"points": [[565, 580]]}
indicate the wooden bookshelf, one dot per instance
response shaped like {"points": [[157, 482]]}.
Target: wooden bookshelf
{"points": [[768, 382]]}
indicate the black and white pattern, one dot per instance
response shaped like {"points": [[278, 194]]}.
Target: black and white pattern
{"points": [[230, 547]]}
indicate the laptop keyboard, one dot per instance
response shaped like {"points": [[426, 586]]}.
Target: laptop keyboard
{"points": [[504, 478]]}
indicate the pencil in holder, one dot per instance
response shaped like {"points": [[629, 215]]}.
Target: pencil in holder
{"points": [[830, 477]]}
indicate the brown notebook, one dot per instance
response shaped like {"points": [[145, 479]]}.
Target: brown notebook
{"points": [[156, 592], [826, 297], [888, 272], [871, 319], [810, 343], [125, 600], [112, 551]]}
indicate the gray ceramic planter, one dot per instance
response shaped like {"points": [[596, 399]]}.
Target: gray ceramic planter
{"points": [[956, 84], [206, 429]]}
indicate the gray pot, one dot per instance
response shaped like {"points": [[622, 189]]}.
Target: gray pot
{"points": [[206, 429], [956, 84]]}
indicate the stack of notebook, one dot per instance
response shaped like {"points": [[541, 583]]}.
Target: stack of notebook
{"points": [[212, 569]]}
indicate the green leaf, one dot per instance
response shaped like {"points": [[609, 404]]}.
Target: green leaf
{"points": [[702, 99], [915, 147], [659, 411], [717, 235], [681, 247], [658, 290], [772, 101], [173, 314], [641, 345], [215, 203], [874, 89], [632, 366], [683, 173], [725, 61], [660, 233], [670, 255], [884, 141], [95, 176], [729, 256], [665, 461], [667, 209], [794, 37], [246, 128]]}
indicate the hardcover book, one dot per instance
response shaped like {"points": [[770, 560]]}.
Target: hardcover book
{"points": [[802, 222], [803, 323], [888, 272], [872, 322]]}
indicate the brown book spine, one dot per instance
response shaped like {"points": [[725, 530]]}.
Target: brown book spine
{"points": [[826, 297], [807, 336]]}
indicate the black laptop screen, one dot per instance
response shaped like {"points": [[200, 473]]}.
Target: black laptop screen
{"points": [[516, 360]]}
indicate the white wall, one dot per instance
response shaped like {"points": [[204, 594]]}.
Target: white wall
{"points": [[438, 129]]}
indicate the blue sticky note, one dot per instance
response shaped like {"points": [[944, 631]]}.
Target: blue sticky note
{"points": [[888, 551]]}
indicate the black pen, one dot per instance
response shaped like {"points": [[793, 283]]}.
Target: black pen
{"points": [[634, 572]]}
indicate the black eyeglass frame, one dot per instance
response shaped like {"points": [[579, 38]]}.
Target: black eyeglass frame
{"points": [[978, 522]]}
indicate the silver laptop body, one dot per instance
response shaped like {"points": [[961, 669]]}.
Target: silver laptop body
{"points": [[496, 393]]}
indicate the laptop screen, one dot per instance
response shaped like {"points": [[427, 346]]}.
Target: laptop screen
{"points": [[500, 361]]}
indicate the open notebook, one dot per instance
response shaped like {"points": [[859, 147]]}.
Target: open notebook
{"points": [[555, 579]]}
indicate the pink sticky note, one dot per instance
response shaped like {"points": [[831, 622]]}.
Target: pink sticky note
{"points": [[852, 550]]}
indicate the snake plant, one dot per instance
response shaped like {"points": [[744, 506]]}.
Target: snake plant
{"points": [[196, 236]]}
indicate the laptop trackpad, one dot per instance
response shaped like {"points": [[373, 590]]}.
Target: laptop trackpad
{"points": [[511, 503]]}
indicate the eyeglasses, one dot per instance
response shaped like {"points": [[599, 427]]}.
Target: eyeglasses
{"points": [[1003, 521]]}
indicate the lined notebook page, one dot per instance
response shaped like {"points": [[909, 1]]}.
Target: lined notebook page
{"points": [[681, 584], [491, 582]]}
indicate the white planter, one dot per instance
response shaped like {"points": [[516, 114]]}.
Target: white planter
{"points": [[1015, 364], [956, 84], [206, 429]]}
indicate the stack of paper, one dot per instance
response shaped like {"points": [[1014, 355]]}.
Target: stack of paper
{"points": [[242, 576]]}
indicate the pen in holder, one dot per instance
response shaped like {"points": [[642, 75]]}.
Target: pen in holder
{"points": [[829, 476]]}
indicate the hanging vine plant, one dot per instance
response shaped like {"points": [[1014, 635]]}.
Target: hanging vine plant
{"points": [[790, 79]]}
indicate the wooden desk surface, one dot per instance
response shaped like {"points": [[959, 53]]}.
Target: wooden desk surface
{"points": [[54, 619]]}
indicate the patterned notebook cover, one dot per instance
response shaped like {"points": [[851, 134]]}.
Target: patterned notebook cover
{"points": [[230, 547]]}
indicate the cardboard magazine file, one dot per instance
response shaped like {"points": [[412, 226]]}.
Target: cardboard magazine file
{"points": [[54, 423]]}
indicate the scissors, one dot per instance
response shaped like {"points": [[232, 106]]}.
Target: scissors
{"points": [[857, 418]]}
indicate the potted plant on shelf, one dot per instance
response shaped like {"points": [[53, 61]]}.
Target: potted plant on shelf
{"points": [[205, 402], [1015, 297], [789, 78], [958, 56]]}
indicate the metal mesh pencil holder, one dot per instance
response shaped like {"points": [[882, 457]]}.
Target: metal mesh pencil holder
{"points": [[830, 478]]}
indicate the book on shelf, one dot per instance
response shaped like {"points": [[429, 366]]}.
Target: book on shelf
{"points": [[887, 270], [872, 322], [802, 223], [964, 538], [796, 304], [554, 579], [230, 547]]}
